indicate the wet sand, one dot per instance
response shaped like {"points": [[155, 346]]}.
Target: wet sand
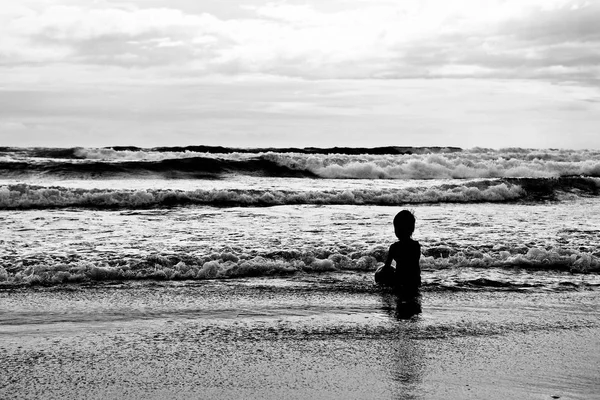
{"points": [[323, 338]]}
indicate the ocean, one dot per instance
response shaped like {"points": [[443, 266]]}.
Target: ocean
{"points": [[285, 242], [513, 217]]}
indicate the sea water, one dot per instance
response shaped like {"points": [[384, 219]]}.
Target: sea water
{"points": [[484, 217]]}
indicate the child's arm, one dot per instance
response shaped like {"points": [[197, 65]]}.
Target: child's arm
{"points": [[390, 257]]}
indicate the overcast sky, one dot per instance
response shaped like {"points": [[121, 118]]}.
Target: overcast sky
{"points": [[488, 73]]}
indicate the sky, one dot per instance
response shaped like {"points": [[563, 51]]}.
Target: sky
{"points": [[466, 73]]}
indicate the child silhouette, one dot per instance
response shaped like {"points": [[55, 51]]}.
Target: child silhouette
{"points": [[406, 252]]}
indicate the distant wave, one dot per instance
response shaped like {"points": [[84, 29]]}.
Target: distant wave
{"points": [[157, 153], [24, 196], [449, 266], [380, 163]]}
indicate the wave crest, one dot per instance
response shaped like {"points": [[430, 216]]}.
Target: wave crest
{"points": [[23, 196]]}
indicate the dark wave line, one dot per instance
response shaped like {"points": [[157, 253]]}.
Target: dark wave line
{"points": [[383, 150], [184, 168], [73, 153], [539, 189], [69, 153]]}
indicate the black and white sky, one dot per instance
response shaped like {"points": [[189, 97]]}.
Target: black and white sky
{"points": [[487, 73]]}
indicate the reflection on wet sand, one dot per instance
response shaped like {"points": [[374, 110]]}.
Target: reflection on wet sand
{"points": [[407, 356], [408, 369], [401, 308]]}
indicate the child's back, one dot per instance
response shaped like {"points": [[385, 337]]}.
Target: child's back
{"points": [[406, 252]]}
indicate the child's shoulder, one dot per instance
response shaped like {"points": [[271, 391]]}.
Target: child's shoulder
{"points": [[414, 244], [410, 243]]}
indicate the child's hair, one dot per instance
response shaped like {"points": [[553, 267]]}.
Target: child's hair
{"points": [[404, 223]]}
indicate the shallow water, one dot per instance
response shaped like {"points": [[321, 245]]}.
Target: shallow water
{"points": [[310, 303], [557, 235]]}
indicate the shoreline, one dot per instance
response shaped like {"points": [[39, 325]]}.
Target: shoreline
{"points": [[274, 338]]}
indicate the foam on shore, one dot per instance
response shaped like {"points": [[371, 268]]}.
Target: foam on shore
{"points": [[236, 264]]}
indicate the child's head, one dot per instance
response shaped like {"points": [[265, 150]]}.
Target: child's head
{"points": [[404, 224]]}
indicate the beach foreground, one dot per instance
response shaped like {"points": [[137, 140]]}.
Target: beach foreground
{"points": [[331, 336]]}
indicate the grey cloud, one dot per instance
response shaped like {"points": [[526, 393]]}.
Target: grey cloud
{"points": [[147, 37], [533, 47], [151, 48], [117, 51], [564, 24]]}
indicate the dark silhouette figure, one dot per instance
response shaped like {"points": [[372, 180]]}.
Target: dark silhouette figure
{"points": [[406, 278]]}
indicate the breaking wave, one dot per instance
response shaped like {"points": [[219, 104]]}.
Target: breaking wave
{"points": [[462, 165], [335, 163], [184, 168], [24, 196], [442, 266]]}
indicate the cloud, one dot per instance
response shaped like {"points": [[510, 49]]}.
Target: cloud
{"points": [[553, 39], [141, 37], [572, 22]]}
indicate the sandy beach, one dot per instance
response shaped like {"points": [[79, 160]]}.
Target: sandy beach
{"points": [[276, 338]]}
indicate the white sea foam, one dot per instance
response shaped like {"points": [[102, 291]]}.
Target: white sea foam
{"points": [[108, 154], [467, 164], [229, 265]]}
